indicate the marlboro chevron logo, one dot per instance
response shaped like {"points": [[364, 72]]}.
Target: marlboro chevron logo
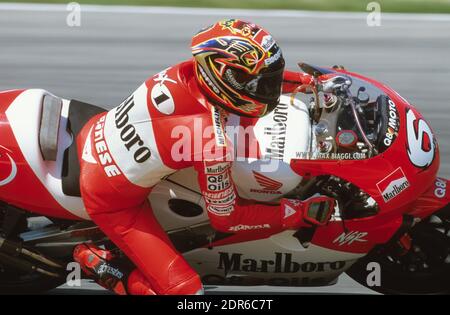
{"points": [[269, 185], [393, 185]]}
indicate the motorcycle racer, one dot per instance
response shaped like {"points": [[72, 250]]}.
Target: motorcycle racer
{"points": [[172, 121]]}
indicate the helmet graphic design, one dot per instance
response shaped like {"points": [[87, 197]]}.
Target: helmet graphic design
{"points": [[239, 66]]}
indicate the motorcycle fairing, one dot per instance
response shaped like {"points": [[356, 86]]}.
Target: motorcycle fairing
{"points": [[37, 184]]}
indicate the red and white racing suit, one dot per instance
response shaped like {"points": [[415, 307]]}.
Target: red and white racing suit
{"points": [[164, 126]]}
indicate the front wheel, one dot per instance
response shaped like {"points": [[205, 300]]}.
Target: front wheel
{"points": [[423, 269]]}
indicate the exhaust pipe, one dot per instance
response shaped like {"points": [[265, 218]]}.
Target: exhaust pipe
{"points": [[25, 265], [10, 252]]}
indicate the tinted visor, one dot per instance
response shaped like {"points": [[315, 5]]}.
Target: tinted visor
{"points": [[265, 87]]}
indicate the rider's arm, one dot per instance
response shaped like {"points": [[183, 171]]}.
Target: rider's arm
{"points": [[229, 213]]}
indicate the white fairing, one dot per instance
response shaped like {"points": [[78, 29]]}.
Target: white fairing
{"points": [[281, 136], [24, 116], [279, 260]]}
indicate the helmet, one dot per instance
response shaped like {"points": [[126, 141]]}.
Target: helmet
{"points": [[239, 66]]}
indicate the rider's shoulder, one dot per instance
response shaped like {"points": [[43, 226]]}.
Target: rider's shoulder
{"points": [[174, 91]]}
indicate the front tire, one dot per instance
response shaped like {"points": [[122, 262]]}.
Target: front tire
{"points": [[424, 269]]}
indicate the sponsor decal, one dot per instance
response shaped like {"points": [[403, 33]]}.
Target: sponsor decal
{"points": [[223, 200], [12, 174], [230, 78], [219, 131], [277, 133], [350, 238], [160, 95], [218, 195], [393, 125], [269, 185], [266, 182], [218, 182], [107, 269], [216, 168], [104, 156], [220, 211], [281, 263], [128, 134], [421, 145], [208, 81], [441, 188], [288, 211], [267, 42], [393, 185], [242, 227], [273, 59]]}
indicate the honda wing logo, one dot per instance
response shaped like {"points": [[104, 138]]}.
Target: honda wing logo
{"points": [[393, 185], [269, 185], [13, 173]]}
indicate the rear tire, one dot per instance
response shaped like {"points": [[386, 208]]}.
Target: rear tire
{"points": [[424, 269]]}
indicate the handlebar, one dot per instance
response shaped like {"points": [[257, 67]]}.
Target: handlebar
{"points": [[346, 93]]}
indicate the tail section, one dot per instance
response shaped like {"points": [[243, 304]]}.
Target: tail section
{"points": [[27, 180]]}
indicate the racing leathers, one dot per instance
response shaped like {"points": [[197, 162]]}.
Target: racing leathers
{"points": [[166, 125]]}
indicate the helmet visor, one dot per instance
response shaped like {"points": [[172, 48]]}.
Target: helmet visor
{"points": [[265, 87]]}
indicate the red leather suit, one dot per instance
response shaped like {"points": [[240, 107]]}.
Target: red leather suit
{"points": [[164, 126]]}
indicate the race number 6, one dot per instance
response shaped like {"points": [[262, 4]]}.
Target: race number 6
{"points": [[421, 145]]}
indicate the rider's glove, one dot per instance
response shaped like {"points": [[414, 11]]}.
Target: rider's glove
{"points": [[333, 83], [315, 211]]}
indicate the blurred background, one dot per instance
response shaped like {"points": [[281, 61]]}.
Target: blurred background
{"points": [[419, 6], [107, 52]]}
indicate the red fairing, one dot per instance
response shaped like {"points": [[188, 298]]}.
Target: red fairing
{"points": [[413, 160], [14, 165], [357, 236], [401, 180], [436, 197]]}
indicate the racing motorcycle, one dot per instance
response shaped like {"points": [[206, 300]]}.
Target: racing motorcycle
{"points": [[363, 145]]}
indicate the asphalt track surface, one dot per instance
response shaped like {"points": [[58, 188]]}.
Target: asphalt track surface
{"points": [[112, 52]]}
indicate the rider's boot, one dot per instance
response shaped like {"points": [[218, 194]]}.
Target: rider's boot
{"points": [[101, 265], [106, 270]]}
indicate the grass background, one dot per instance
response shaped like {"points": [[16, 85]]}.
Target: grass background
{"points": [[413, 6]]}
